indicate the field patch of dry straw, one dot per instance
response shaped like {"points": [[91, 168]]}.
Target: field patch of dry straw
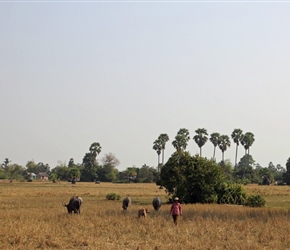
{"points": [[32, 217]]}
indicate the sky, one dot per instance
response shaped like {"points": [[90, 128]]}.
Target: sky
{"points": [[122, 72]]}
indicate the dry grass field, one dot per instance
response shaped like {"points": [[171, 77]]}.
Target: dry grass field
{"points": [[32, 217]]}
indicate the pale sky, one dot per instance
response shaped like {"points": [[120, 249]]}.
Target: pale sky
{"points": [[121, 73]]}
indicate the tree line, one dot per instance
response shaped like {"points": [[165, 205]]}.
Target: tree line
{"points": [[91, 169], [245, 171]]}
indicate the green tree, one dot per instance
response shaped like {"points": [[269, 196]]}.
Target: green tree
{"points": [[157, 146], [2, 173], [200, 138], [108, 172], [131, 174], [192, 179], [6, 163], [42, 168], [62, 172], [227, 168], [214, 138], [244, 171], [95, 149], [163, 138], [53, 177], [264, 175], [181, 139], [90, 166], [31, 167], [247, 141], [74, 173], [288, 171], [237, 135], [224, 143], [71, 163], [147, 174], [15, 172]]}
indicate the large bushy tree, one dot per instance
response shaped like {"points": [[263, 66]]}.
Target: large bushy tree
{"points": [[192, 178]]}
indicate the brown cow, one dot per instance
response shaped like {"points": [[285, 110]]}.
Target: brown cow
{"points": [[143, 212]]}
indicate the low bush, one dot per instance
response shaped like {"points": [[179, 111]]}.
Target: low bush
{"points": [[113, 196], [255, 201], [232, 193]]}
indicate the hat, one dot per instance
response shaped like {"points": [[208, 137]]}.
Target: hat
{"points": [[176, 199]]}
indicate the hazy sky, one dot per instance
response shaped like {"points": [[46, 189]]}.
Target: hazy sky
{"points": [[121, 73]]}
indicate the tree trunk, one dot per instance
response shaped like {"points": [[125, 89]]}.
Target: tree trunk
{"points": [[236, 156]]}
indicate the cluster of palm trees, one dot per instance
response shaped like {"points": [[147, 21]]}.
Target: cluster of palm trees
{"points": [[222, 141]]}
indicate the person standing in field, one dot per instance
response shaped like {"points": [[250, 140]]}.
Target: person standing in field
{"points": [[175, 210]]}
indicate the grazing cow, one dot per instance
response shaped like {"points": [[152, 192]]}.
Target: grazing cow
{"points": [[126, 203], [74, 205], [156, 203], [142, 212]]}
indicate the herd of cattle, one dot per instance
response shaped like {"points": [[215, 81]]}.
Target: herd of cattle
{"points": [[75, 203]]}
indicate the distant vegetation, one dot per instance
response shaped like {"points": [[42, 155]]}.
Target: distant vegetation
{"points": [[91, 169]]}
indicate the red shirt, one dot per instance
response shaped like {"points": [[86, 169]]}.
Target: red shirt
{"points": [[176, 209]]}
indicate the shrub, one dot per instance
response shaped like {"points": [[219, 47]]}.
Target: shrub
{"points": [[232, 193], [255, 201], [113, 196]]}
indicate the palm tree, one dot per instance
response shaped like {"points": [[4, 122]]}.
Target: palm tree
{"points": [[157, 146], [224, 143], [95, 149], [200, 138], [181, 139], [247, 141], [163, 138], [236, 136], [214, 138]]}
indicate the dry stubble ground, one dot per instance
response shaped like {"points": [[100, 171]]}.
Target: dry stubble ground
{"points": [[32, 217]]}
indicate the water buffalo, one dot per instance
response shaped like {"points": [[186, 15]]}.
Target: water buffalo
{"points": [[74, 205], [126, 203], [156, 203], [142, 212]]}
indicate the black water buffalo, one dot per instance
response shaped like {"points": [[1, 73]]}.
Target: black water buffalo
{"points": [[156, 203], [126, 203], [74, 205]]}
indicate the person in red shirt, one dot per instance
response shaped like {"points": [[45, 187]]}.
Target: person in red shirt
{"points": [[175, 210]]}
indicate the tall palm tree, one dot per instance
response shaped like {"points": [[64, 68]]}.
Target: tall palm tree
{"points": [[200, 138], [247, 141], [214, 138], [181, 139], [163, 138], [236, 135], [224, 143], [157, 146], [95, 149]]}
